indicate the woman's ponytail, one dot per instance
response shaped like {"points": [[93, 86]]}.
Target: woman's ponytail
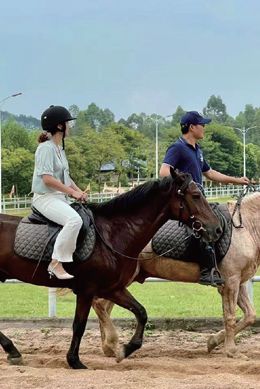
{"points": [[43, 137]]}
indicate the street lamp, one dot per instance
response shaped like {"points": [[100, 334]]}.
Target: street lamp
{"points": [[156, 147], [244, 131], [1, 104], [156, 120]]}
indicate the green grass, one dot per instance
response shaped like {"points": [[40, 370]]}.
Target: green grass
{"points": [[19, 212], [161, 299], [220, 199]]}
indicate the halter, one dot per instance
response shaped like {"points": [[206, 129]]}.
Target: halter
{"points": [[196, 225]]}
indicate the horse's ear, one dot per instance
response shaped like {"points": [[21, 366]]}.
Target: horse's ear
{"points": [[173, 172]]}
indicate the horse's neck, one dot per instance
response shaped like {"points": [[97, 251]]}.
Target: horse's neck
{"points": [[150, 218], [250, 214], [136, 229]]}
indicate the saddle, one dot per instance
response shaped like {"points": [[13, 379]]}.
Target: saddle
{"points": [[36, 235], [178, 242]]}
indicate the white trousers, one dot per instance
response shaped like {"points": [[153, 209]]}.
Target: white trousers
{"points": [[56, 208]]}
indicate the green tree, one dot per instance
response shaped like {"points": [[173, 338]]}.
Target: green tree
{"points": [[249, 119], [136, 121], [96, 117], [98, 148], [15, 136], [223, 150], [216, 109], [136, 148], [176, 117], [74, 110], [17, 169], [253, 161], [77, 163]]}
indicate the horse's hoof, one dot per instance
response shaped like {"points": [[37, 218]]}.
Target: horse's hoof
{"points": [[232, 352], [78, 365], [15, 361], [211, 343], [243, 357], [75, 363], [120, 355], [108, 351], [236, 355]]}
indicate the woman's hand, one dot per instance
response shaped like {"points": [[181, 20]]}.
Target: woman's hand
{"points": [[79, 195]]}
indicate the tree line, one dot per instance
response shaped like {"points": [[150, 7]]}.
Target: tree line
{"points": [[129, 145]]}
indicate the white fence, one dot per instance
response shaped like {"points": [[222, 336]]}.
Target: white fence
{"points": [[211, 192]]}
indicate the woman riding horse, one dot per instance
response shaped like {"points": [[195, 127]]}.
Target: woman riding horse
{"points": [[123, 226]]}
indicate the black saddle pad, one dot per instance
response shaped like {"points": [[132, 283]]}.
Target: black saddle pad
{"points": [[177, 242], [36, 235]]}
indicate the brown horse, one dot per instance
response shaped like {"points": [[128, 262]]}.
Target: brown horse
{"points": [[238, 266], [124, 226]]}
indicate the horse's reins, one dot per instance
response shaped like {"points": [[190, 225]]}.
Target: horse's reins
{"points": [[124, 255], [237, 208], [196, 226]]}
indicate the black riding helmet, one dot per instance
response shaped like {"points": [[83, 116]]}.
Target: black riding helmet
{"points": [[53, 116]]}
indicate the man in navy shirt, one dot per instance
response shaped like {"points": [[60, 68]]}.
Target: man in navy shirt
{"points": [[186, 156]]}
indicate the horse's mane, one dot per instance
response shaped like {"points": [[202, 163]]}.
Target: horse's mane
{"points": [[133, 199]]}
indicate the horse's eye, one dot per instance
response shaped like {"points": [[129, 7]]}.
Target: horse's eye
{"points": [[196, 196]]}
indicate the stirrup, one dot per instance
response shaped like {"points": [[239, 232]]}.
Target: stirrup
{"points": [[211, 277]]}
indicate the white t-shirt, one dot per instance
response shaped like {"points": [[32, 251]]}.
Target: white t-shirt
{"points": [[50, 159]]}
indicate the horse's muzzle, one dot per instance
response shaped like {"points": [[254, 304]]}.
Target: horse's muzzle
{"points": [[212, 235]]}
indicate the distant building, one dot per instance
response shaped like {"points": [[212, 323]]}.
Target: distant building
{"points": [[108, 167]]}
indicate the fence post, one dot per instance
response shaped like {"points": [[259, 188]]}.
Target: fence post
{"points": [[52, 302], [250, 290]]}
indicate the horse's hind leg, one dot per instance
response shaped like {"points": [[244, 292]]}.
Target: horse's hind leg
{"points": [[246, 306], [109, 337], [126, 300], [14, 357]]}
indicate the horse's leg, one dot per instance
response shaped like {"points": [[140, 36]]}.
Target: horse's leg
{"points": [[14, 357], [229, 294], [79, 324], [244, 303], [126, 300], [109, 337], [246, 306]]}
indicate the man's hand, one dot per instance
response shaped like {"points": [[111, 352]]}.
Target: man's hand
{"points": [[243, 180]]}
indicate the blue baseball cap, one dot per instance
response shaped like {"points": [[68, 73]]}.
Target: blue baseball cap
{"points": [[193, 117]]}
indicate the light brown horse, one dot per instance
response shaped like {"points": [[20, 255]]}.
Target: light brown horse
{"points": [[238, 266]]}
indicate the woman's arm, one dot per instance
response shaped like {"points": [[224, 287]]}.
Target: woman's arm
{"points": [[75, 187], [56, 184]]}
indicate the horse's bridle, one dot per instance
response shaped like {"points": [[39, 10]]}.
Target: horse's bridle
{"points": [[196, 225], [237, 208]]}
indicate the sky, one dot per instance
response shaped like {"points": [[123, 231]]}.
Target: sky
{"points": [[129, 55]]}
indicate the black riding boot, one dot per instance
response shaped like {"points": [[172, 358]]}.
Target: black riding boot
{"points": [[209, 273]]}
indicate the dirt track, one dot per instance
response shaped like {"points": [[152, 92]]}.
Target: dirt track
{"points": [[168, 359]]}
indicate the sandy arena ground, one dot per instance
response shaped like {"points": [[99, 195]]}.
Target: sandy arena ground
{"points": [[168, 359]]}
